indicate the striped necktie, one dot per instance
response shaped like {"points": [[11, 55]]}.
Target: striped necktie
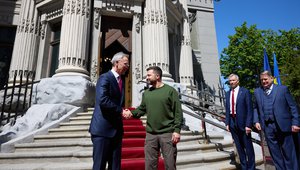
{"points": [[267, 91]]}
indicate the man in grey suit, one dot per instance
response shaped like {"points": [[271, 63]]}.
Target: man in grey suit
{"points": [[106, 126], [276, 113]]}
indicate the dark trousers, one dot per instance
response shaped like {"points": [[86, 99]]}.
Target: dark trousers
{"points": [[153, 144], [107, 150], [243, 145], [281, 147], [296, 137]]}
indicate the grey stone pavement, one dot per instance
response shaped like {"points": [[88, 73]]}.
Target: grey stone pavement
{"points": [[265, 167]]}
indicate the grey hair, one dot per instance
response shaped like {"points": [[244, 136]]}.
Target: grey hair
{"points": [[266, 72], [118, 56], [231, 75]]}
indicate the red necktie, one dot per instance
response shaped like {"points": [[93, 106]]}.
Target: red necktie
{"points": [[120, 83], [232, 103]]}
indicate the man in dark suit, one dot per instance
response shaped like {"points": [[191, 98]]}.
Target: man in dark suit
{"points": [[276, 113], [106, 126], [239, 120]]}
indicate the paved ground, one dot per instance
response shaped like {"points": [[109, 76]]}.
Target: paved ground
{"points": [[265, 167]]}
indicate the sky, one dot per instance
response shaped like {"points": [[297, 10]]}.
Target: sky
{"points": [[266, 14]]}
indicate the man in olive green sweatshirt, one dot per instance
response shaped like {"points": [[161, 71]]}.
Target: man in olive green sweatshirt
{"points": [[164, 119]]}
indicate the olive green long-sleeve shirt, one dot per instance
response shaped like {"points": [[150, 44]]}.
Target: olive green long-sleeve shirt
{"points": [[163, 109]]}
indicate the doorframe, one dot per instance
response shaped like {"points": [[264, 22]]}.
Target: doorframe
{"points": [[105, 27]]}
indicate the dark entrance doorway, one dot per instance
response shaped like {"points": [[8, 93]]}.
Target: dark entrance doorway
{"points": [[7, 40], [115, 37]]}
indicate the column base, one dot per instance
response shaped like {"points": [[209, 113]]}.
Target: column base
{"points": [[168, 79], [166, 76], [72, 71]]}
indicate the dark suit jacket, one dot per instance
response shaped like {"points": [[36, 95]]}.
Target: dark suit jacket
{"points": [[244, 110], [284, 108], [107, 116]]}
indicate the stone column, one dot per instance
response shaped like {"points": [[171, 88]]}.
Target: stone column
{"points": [[95, 41], [27, 35], [136, 59], [186, 60], [73, 49], [136, 56], [155, 41]]}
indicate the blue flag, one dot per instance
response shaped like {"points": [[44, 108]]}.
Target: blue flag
{"points": [[266, 62], [276, 71]]}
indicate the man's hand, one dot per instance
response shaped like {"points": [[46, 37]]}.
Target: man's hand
{"points": [[295, 128], [257, 125], [175, 137], [126, 113], [248, 130], [227, 128]]}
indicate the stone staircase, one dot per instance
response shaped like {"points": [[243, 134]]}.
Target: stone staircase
{"points": [[69, 147]]}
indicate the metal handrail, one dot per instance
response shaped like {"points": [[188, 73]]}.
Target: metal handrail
{"points": [[202, 101], [16, 87], [205, 111], [204, 119]]}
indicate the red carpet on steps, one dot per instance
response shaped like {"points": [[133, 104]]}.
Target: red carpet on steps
{"points": [[133, 157]]}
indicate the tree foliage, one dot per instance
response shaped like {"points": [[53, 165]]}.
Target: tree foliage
{"points": [[244, 56]]}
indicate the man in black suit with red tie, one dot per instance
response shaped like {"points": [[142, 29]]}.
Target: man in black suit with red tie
{"points": [[239, 120], [106, 126]]}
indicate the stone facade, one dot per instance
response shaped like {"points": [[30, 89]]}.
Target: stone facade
{"points": [[67, 38]]}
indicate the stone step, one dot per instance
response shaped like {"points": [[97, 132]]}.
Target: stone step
{"points": [[86, 134], [184, 149], [90, 109], [229, 164], [69, 147], [81, 118], [41, 156], [83, 129], [220, 165], [74, 123], [85, 156], [69, 129], [51, 146], [213, 156], [85, 114], [48, 166]]}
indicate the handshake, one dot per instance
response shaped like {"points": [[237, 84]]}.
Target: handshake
{"points": [[126, 113]]}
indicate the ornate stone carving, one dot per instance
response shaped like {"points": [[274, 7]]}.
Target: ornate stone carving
{"points": [[186, 41], [155, 17], [97, 14], [73, 7], [192, 19], [42, 30], [137, 72], [76, 7], [94, 75], [137, 27], [117, 5], [54, 14]]}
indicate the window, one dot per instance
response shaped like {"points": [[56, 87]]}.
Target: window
{"points": [[54, 47], [7, 38]]}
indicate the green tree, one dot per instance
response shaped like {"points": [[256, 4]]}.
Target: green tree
{"points": [[287, 49], [244, 56]]}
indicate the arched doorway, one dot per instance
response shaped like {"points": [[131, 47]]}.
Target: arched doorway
{"points": [[115, 37]]}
